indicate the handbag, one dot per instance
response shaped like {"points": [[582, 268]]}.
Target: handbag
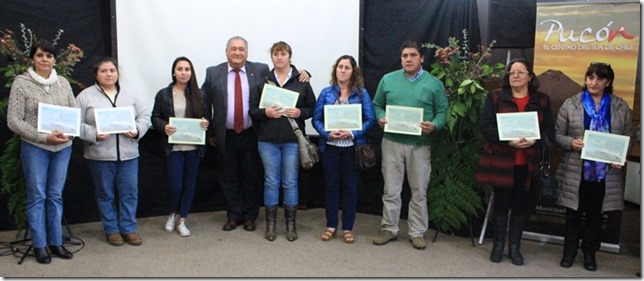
{"points": [[309, 152], [543, 181], [365, 156]]}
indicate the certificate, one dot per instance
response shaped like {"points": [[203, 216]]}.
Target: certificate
{"points": [[189, 131], [273, 95], [58, 118], [403, 120], [516, 125], [343, 117], [605, 147], [114, 120]]}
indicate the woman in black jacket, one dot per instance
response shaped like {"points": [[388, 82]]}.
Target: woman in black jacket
{"points": [[277, 143], [181, 99]]}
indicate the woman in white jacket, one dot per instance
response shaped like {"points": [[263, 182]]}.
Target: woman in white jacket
{"points": [[113, 158]]}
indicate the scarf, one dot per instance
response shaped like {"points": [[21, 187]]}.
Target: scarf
{"points": [[596, 171], [44, 82]]}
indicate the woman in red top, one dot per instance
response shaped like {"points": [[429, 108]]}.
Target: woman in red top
{"points": [[507, 165]]}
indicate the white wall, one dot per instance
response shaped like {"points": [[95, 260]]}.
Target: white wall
{"points": [[152, 33]]}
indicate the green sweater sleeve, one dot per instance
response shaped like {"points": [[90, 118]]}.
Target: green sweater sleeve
{"points": [[379, 100], [441, 105]]}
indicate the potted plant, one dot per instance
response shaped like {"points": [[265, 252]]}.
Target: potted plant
{"points": [[453, 195], [12, 181]]}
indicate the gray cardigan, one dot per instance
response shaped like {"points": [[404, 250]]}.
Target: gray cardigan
{"points": [[22, 111], [128, 148], [570, 125]]}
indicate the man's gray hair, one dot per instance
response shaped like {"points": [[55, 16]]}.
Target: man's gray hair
{"points": [[237, 37]]}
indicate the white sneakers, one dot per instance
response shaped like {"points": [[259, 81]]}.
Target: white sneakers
{"points": [[181, 226], [171, 222], [183, 229]]}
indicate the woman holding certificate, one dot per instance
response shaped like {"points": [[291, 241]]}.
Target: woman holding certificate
{"points": [[45, 156], [181, 99], [338, 145], [277, 143], [507, 165], [113, 119], [586, 186]]}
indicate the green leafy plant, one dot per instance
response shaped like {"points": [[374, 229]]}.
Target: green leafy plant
{"points": [[12, 181], [453, 195]]}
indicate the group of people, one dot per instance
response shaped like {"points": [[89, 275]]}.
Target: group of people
{"points": [[585, 186], [246, 135]]}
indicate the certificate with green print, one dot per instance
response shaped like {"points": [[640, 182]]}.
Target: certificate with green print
{"points": [[58, 118], [273, 95], [114, 120], [605, 147], [403, 120], [189, 131], [516, 125], [343, 117]]}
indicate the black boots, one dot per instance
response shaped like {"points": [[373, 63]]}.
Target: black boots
{"points": [[271, 217], [517, 224], [500, 223], [589, 262], [289, 214]]}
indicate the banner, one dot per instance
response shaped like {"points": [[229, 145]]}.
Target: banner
{"points": [[568, 38]]}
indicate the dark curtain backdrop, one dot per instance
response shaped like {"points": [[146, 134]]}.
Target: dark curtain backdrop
{"points": [[389, 23], [87, 25], [386, 25]]}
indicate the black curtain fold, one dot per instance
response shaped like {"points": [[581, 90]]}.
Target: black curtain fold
{"points": [[389, 23]]}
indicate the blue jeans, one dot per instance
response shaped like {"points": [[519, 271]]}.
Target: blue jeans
{"points": [[121, 176], [281, 167], [45, 174], [340, 172], [182, 176]]}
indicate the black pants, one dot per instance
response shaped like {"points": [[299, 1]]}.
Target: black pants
{"points": [[591, 198], [239, 170], [517, 198]]}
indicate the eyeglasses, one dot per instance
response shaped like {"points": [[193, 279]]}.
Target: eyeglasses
{"points": [[600, 64], [518, 72]]}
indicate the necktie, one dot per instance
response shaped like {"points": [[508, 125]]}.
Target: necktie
{"points": [[238, 125]]}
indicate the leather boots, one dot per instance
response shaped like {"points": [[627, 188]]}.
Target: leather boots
{"points": [[517, 224], [289, 214], [500, 223], [271, 217]]}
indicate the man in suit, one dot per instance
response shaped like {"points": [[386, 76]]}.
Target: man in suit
{"points": [[237, 159]]}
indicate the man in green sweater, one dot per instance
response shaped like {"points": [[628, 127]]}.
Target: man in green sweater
{"points": [[410, 86]]}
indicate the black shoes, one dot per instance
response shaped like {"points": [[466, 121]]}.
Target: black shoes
{"points": [[589, 262], [60, 252], [567, 261], [42, 256]]}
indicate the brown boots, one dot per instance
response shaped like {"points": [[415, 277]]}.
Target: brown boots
{"points": [[271, 220]]}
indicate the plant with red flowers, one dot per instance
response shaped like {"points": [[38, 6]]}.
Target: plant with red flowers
{"points": [[11, 176], [454, 196]]}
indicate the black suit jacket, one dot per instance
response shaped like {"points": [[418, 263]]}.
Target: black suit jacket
{"points": [[216, 89]]}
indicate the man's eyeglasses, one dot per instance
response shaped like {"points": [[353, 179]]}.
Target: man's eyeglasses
{"points": [[518, 72], [600, 64]]}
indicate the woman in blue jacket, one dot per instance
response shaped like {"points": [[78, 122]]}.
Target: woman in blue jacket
{"points": [[338, 147]]}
